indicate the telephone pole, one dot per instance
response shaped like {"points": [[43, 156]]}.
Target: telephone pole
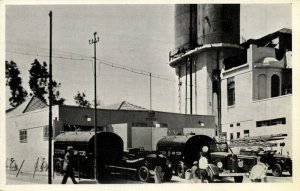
{"points": [[50, 106], [150, 75], [94, 41]]}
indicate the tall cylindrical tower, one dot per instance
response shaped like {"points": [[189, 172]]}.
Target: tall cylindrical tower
{"points": [[205, 34], [218, 23], [185, 25]]}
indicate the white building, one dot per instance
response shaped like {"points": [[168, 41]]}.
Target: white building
{"points": [[27, 127], [257, 89]]}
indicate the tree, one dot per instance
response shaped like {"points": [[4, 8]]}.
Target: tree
{"points": [[81, 101], [18, 93], [39, 81]]}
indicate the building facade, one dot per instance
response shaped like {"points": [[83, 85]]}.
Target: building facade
{"points": [[247, 87], [257, 89], [27, 127]]}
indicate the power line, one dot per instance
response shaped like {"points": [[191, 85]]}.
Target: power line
{"points": [[71, 54], [104, 62], [47, 50]]}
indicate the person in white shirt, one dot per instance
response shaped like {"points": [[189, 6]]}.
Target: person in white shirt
{"points": [[259, 172], [203, 165]]}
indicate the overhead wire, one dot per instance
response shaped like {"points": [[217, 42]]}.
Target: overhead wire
{"points": [[106, 63], [100, 61]]}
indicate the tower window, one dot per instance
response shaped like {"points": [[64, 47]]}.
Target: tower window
{"points": [[275, 86], [230, 91]]}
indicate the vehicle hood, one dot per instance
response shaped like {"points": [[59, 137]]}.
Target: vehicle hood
{"points": [[220, 154]]}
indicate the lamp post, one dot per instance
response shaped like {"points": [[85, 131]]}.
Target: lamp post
{"points": [[94, 41]]}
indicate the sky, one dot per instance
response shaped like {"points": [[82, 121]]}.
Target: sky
{"points": [[131, 36]]}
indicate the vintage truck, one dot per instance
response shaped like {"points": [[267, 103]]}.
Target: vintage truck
{"points": [[263, 147], [110, 156], [277, 163], [183, 150]]}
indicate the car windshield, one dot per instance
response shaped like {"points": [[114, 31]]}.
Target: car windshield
{"points": [[218, 147]]}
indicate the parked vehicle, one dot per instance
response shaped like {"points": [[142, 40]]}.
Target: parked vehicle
{"points": [[143, 163], [182, 151], [276, 162], [262, 146], [109, 151], [110, 156]]}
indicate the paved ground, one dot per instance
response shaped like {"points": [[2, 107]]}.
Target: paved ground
{"points": [[42, 178]]}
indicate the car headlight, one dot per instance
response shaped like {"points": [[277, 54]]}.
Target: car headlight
{"points": [[240, 163], [168, 163], [219, 164]]}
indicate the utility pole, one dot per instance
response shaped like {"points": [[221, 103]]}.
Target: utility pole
{"points": [[150, 92], [219, 92], [94, 41], [191, 85], [186, 88], [50, 106]]}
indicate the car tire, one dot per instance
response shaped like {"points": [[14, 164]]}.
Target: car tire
{"points": [[238, 179], [58, 168], [291, 171], [144, 174], [277, 170], [167, 176], [181, 170]]}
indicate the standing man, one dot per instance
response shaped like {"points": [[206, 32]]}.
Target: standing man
{"points": [[68, 166], [203, 165]]}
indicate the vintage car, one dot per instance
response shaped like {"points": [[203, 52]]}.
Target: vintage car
{"points": [[183, 150], [276, 162], [142, 164]]}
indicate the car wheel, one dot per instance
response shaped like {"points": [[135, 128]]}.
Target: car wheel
{"points": [[277, 170], [143, 174], [168, 176], [58, 168], [238, 179], [291, 171], [180, 170]]}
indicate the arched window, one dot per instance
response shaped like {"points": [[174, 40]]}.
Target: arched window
{"points": [[262, 86], [275, 86]]}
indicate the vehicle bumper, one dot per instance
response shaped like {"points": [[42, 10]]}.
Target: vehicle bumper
{"points": [[226, 174]]}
